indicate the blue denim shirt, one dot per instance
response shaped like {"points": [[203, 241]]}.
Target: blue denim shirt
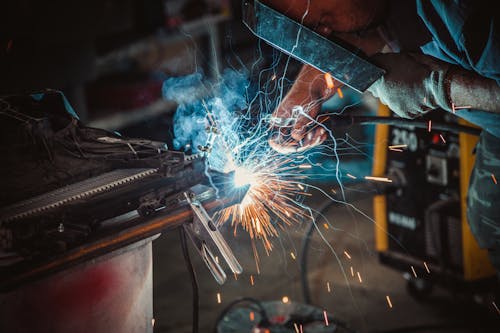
{"points": [[465, 33]]}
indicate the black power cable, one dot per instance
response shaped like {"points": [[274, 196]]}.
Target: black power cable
{"points": [[192, 276]]}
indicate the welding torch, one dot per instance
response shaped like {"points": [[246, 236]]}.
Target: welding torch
{"points": [[347, 66], [343, 120]]}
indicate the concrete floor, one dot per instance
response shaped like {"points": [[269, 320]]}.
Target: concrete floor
{"points": [[362, 305]]}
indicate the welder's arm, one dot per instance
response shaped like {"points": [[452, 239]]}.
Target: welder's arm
{"points": [[416, 84], [470, 89]]}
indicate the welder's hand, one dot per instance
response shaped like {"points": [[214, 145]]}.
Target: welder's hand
{"points": [[413, 85], [295, 128]]}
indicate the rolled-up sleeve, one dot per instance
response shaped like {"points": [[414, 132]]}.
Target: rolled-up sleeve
{"points": [[464, 32]]}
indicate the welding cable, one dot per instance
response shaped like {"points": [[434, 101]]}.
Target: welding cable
{"points": [[372, 188], [192, 275], [264, 321], [306, 294], [347, 120], [321, 211]]}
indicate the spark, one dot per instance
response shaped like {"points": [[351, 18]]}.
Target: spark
{"points": [[333, 191], [292, 255], [305, 166], [219, 300], [347, 254], [427, 268], [251, 280], [496, 307], [325, 316], [252, 316], [351, 176], [429, 125], [359, 278], [285, 299], [494, 178], [454, 108], [378, 179], [442, 138], [325, 225], [329, 81], [256, 258], [258, 227], [388, 301], [341, 94], [153, 322], [398, 147], [328, 287], [271, 192], [414, 272], [272, 189], [352, 271]]}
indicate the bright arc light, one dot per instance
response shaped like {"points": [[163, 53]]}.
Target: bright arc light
{"points": [[243, 177]]}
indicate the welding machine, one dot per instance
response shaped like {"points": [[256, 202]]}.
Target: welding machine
{"points": [[421, 224]]}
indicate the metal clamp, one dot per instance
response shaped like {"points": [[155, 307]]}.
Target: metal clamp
{"points": [[202, 231]]}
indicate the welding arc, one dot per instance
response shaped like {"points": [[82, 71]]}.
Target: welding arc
{"points": [[343, 120]]}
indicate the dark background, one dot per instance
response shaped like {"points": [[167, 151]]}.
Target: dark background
{"points": [[110, 59]]}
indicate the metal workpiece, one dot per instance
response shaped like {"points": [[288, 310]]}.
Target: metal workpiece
{"points": [[88, 219], [118, 232], [168, 166], [309, 47], [79, 191]]}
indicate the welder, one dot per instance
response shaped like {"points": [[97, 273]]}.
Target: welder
{"points": [[437, 55]]}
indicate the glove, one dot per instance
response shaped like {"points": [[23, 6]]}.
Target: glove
{"points": [[413, 85], [293, 119]]}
